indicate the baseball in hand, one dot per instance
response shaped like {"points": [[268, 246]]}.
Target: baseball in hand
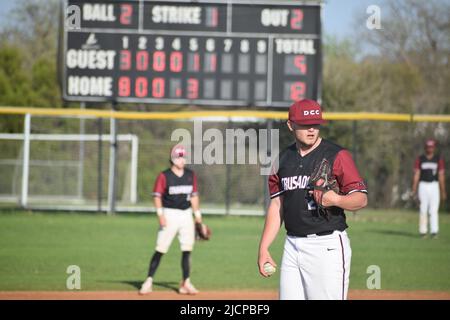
{"points": [[269, 269]]}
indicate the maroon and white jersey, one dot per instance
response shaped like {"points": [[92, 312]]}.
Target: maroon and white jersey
{"points": [[291, 181], [175, 191], [429, 168]]}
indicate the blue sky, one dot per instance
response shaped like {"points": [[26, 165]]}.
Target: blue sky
{"points": [[338, 15]]}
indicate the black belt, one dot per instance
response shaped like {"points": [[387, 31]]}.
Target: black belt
{"points": [[323, 233]]}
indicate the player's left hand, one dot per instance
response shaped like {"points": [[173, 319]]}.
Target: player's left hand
{"points": [[329, 199], [198, 220], [162, 221]]}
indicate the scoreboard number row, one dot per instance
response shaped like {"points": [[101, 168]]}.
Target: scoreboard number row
{"points": [[194, 46], [159, 60], [173, 88]]}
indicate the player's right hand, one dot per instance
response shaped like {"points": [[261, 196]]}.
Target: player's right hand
{"points": [[264, 256], [162, 221], [415, 198]]}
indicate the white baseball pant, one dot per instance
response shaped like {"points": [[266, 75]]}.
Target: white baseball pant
{"points": [[178, 222], [429, 205], [316, 267]]}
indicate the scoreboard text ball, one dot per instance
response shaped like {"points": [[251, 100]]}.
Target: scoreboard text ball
{"points": [[259, 53]]}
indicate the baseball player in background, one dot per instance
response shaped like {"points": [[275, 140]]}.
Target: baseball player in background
{"points": [[428, 185], [317, 253], [176, 197]]}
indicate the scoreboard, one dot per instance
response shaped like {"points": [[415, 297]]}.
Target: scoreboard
{"points": [[225, 53]]}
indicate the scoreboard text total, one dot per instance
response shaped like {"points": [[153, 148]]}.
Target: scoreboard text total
{"points": [[215, 53]]}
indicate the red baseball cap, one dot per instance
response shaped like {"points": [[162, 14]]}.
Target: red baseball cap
{"points": [[430, 143], [305, 112], [178, 151]]}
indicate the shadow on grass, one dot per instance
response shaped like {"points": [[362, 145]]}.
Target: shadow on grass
{"points": [[396, 233], [162, 284]]}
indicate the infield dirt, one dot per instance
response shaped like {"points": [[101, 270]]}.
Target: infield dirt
{"points": [[212, 295]]}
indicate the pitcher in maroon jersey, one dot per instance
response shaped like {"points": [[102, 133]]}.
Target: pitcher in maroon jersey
{"points": [[317, 253]]}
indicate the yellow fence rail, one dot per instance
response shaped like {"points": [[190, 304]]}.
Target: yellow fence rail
{"points": [[275, 115]]}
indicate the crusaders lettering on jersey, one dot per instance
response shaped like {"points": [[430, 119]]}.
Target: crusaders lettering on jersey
{"points": [[295, 182], [429, 168], [180, 189]]}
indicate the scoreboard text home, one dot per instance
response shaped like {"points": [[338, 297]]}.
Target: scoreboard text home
{"points": [[227, 53]]}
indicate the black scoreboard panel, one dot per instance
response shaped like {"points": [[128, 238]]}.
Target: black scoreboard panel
{"points": [[204, 17], [206, 52], [276, 19]]}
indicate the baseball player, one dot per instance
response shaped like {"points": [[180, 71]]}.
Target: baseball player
{"points": [[317, 253], [176, 197], [428, 185]]}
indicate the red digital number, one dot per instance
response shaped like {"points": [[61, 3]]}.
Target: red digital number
{"points": [[213, 19], [196, 66], [192, 88], [212, 62], [178, 92], [159, 61], [298, 90], [296, 19], [300, 63], [176, 61], [126, 11], [125, 60], [158, 87], [142, 60], [141, 87], [124, 87]]}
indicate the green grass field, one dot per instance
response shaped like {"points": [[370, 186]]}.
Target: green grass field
{"points": [[113, 252]]}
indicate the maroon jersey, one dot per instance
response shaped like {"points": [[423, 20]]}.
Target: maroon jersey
{"points": [[175, 191], [429, 168], [300, 213]]}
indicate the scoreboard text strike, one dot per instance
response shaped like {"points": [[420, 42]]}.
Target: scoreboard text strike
{"points": [[259, 53]]}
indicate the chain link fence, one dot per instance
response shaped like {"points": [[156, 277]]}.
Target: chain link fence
{"points": [[69, 164]]}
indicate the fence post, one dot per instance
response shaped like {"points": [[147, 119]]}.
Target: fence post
{"points": [[269, 154], [26, 160], [112, 164], [81, 154], [134, 165], [228, 177], [354, 140], [100, 166]]}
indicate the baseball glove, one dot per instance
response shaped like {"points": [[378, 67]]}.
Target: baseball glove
{"points": [[320, 182], [202, 231]]}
